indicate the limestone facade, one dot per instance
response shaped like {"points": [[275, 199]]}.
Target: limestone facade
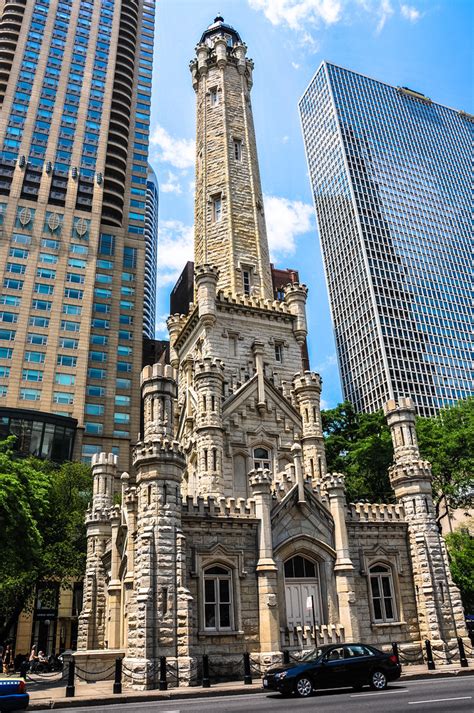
{"points": [[230, 524]]}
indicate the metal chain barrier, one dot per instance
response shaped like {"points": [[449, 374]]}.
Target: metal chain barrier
{"points": [[102, 675]]}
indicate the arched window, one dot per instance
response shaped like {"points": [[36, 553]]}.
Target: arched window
{"points": [[382, 593], [218, 613], [261, 458]]}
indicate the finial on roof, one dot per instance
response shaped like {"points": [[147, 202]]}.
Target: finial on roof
{"points": [[219, 18]]}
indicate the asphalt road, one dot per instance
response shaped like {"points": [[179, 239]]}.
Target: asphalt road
{"points": [[436, 695]]}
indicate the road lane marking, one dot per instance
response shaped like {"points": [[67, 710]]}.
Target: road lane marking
{"points": [[378, 693], [440, 700]]}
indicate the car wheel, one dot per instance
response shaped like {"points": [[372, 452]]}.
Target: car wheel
{"points": [[378, 681], [303, 687]]}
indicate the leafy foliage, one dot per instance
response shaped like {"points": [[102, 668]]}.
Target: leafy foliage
{"points": [[461, 554], [447, 441], [360, 446], [42, 508]]}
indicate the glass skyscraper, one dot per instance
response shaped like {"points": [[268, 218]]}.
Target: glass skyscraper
{"points": [[391, 177], [75, 86], [151, 248]]}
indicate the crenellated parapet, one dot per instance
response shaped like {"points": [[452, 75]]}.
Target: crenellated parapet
{"points": [[104, 471], [375, 512], [159, 451], [220, 507], [254, 301]]}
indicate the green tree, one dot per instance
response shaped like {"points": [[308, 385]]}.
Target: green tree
{"points": [[447, 442], [42, 532], [461, 555], [359, 445]]}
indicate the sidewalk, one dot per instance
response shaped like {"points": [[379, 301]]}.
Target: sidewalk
{"points": [[47, 695]]}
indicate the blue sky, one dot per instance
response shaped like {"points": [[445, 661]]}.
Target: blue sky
{"points": [[424, 44]]}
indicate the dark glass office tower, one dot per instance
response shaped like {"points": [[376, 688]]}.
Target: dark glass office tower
{"points": [[75, 85], [391, 176]]}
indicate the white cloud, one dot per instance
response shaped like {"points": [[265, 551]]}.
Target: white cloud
{"points": [[304, 16], [384, 12], [295, 65], [285, 139], [171, 185], [286, 220], [410, 13], [295, 13], [175, 248], [161, 329], [327, 364], [169, 149]]}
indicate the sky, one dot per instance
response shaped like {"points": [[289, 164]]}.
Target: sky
{"points": [[425, 45]]}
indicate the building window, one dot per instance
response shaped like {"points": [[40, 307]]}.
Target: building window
{"points": [[382, 593], [238, 149], [218, 614], [217, 209], [246, 281], [279, 353], [261, 458], [214, 96]]}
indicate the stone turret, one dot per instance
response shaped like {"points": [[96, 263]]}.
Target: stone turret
{"points": [[205, 282], [295, 298], [92, 621], [159, 464], [307, 394], [208, 383], [440, 612]]}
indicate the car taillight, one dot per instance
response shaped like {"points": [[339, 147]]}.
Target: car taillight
{"points": [[21, 687], [393, 658]]}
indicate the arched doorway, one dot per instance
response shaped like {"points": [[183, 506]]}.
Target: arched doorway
{"points": [[301, 583]]}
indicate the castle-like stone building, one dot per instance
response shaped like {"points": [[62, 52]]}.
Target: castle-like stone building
{"points": [[230, 523]]}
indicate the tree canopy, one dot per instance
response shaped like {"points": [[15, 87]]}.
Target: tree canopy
{"points": [[359, 445], [461, 554], [42, 531]]}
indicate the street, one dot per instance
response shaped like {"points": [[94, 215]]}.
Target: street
{"points": [[437, 695]]}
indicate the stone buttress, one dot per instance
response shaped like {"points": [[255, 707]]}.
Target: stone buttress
{"points": [[439, 607], [92, 621]]}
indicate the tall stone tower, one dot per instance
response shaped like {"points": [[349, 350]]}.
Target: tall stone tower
{"points": [[230, 228]]}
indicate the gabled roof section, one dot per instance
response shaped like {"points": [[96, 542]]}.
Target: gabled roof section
{"points": [[239, 397]]}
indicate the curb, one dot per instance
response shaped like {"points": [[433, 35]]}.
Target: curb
{"points": [[197, 692]]}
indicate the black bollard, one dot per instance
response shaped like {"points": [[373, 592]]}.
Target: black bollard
{"points": [[70, 688], [462, 653], [429, 656], [286, 656], [163, 683], [206, 681], [395, 651], [118, 676], [247, 672], [24, 666]]}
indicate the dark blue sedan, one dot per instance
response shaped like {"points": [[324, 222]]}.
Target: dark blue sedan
{"points": [[352, 665], [13, 695]]}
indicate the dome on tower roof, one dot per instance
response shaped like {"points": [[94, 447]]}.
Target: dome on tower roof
{"points": [[219, 27]]}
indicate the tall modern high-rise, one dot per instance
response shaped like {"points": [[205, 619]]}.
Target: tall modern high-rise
{"points": [[151, 248], [75, 85], [390, 171]]}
